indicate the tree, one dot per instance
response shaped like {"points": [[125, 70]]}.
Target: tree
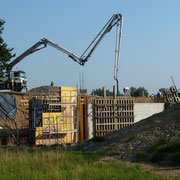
{"points": [[139, 92], [99, 92], [5, 52], [162, 90]]}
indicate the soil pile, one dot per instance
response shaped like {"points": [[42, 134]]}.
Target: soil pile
{"points": [[44, 89], [126, 143]]}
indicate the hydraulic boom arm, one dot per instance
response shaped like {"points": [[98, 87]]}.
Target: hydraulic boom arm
{"points": [[116, 19], [38, 46]]}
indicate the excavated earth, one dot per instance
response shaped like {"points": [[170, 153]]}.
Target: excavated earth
{"points": [[125, 143]]}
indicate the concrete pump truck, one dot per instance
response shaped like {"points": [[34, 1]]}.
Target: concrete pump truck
{"points": [[16, 80]]}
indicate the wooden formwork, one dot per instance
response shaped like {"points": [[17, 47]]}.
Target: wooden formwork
{"points": [[59, 117], [14, 137], [112, 114], [21, 120]]}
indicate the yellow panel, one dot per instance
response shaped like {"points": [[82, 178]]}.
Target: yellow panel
{"points": [[61, 121], [68, 94], [51, 118], [38, 135]]}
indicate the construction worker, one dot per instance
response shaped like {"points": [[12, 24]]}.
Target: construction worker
{"points": [[159, 94], [52, 83]]}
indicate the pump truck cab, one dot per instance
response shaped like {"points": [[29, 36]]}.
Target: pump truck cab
{"points": [[16, 80]]}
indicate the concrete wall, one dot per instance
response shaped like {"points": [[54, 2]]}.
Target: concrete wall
{"points": [[144, 110], [90, 120], [141, 111]]}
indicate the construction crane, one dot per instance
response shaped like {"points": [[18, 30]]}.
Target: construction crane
{"points": [[16, 80]]}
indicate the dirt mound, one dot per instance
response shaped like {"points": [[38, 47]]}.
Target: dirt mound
{"points": [[44, 89], [126, 143]]}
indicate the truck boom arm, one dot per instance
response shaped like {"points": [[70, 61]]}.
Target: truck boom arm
{"points": [[116, 19], [38, 46]]}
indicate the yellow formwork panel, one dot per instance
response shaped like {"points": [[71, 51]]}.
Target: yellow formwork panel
{"points": [[68, 94], [51, 119], [43, 139], [38, 135], [68, 97], [63, 121], [58, 120]]}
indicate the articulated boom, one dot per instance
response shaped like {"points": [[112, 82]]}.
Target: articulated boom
{"points": [[116, 19]]}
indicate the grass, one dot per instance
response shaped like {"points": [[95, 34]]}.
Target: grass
{"points": [[47, 163], [161, 144], [162, 151], [166, 151]]}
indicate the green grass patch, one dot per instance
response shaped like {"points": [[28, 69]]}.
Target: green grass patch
{"points": [[165, 151], [171, 148], [49, 163], [162, 143]]}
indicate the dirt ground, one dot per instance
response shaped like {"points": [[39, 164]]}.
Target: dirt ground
{"points": [[167, 172]]}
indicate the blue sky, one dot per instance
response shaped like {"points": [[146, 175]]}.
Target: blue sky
{"points": [[150, 51]]}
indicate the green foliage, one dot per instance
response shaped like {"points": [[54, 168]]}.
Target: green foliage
{"points": [[162, 90], [57, 164], [99, 92], [166, 151], [138, 92], [173, 148], [162, 152], [5, 54], [162, 143]]}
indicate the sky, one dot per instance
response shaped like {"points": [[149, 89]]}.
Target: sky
{"points": [[150, 49]]}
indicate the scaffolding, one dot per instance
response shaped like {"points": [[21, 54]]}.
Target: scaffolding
{"points": [[56, 118]]}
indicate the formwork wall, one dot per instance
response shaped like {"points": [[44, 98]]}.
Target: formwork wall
{"points": [[21, 120], [105, 114], [16, 131], [112, 114], [59, 126]]}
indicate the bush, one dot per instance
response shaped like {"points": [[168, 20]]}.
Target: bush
{"points": [[159, 145], [173, 148]]}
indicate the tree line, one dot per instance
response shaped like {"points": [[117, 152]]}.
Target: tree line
{"points": [[5, 52], [134, 92]]}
